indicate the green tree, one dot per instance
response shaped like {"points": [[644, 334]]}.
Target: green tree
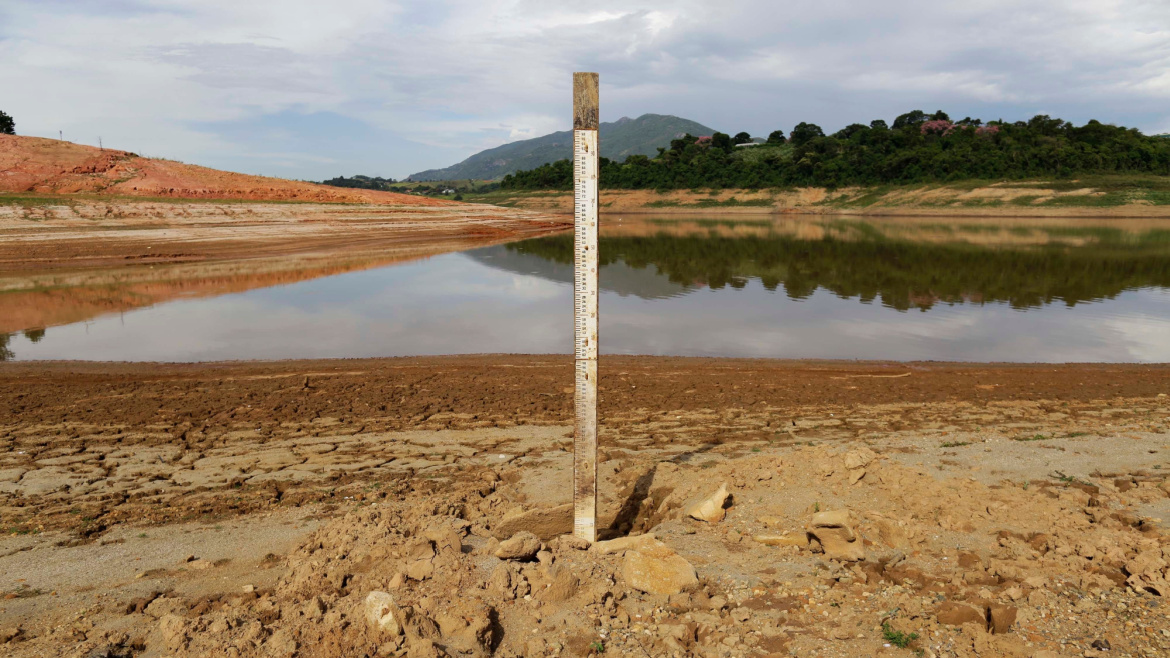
{"points": [[878, 124], [803, 133], [777, 137], [7, 125], [721, 141], [741, 138], [912, 118]]}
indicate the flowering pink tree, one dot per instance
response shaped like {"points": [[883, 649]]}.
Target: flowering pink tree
{"points": [[939, 126], [987, 130]]}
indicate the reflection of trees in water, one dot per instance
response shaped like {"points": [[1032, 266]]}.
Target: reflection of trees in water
{"points": [[34, 335], [5, 353], [903, 274]]}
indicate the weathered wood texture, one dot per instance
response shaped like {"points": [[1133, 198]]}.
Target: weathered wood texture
{"points": [[585, 101]]}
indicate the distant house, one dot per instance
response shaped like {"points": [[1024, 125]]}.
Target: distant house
{"points": [[448, 191]]}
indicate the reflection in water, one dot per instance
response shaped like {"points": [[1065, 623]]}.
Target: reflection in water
{"points": [[856, 261], [1041, 291]]}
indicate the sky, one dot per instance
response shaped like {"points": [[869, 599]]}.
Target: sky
{"points": [[310, 90]]}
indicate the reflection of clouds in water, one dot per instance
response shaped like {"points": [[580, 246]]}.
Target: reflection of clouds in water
{"points": [[454, 304]]}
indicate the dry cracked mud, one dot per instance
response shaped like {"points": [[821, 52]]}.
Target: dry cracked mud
{"points": [[1030, 502]]}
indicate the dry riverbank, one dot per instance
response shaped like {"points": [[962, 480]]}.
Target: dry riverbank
{"points": [[1107, 198], [1038, 491]]}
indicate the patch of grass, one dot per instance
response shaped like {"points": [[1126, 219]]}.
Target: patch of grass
{"points": [[955, 444], [1073, 435], [597, 646], [1037, 437], [897, 638]]}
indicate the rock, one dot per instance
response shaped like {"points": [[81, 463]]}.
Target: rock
{"points": [[521, 546], [710, 509], [573, 542], [420, 569], [281, 643], [174, 632], [834, 531], [783, 540], [544, 522], [656, 569], [1001, 618], [397, 580], [1045, 653], [891, 534], [380, 612], [957, 614], [563, 586], [855, 475], [544, 557], [623, 544], [200, 564], [165, 605], [859, 458]]}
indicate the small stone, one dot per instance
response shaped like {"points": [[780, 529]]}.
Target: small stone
{"points": [[248, 589], [859, 458], [657, 569], [573, 542], [397, 580], [544, 522], [957, 614], [834, 531], [521, 546], [710, 509], [1001, 618], [380, 613], [544, 557], [200, 564]]}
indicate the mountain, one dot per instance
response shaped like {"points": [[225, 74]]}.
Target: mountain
{"points": [[38, 165], [621, 138]]}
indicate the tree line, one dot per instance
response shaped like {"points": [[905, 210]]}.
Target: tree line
{"points": [[917, 148]]}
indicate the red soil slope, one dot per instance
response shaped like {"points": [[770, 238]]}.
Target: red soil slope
{"points": [[49, 166]]}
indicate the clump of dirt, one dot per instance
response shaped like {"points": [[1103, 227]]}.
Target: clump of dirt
{"points": [[34, 164], [944, 567]]}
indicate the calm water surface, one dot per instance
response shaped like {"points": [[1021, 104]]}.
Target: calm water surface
{"points": [[748, 287]]}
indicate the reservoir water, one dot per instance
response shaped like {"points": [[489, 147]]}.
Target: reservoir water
{"points": [[1050, 290]]}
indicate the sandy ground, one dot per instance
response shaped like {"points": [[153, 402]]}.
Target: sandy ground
{"points": [[298, 488], [78, 235]]}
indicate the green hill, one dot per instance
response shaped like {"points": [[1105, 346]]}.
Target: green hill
{"points": [[619, 139]]}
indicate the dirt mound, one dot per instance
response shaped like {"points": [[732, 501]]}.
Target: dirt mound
{"points": [[48, 166], [947, 567]]}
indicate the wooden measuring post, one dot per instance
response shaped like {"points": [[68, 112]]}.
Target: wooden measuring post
{"points": [[585, 246]]}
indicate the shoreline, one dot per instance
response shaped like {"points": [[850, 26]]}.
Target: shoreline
{"points": [[51, 238]]}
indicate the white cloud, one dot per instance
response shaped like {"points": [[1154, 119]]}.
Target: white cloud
{"points": [[437, 81]]}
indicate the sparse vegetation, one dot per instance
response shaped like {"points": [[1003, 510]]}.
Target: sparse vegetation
{"points": [[897, 638], [7, 124]]}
